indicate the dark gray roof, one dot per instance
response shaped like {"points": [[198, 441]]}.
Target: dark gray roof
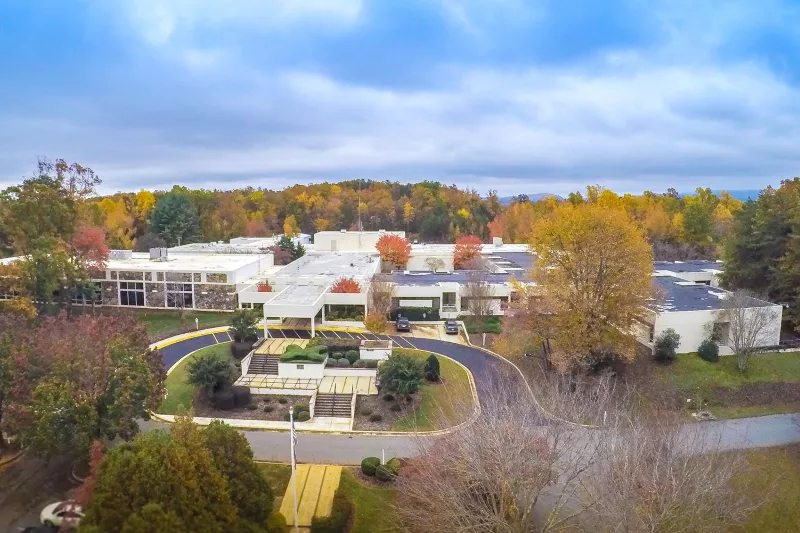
{"points": [[681, 295], [687, 266], [429, 278], [511, 260]]}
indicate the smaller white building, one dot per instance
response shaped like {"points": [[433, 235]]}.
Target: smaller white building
{"points": [[690, 302], [350, 241]]}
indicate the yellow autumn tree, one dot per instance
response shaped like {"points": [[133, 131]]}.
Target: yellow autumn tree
{"points": [[290, 226], [118, 223], [593, 273]]}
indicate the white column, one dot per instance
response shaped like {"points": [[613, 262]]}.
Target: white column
{"points": [[313, 331], [323, 314]]}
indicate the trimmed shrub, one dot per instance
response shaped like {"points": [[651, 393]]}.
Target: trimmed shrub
{"points": [[339, 518], [267, 399], [393, 465], [299, 408], [303, 416], [251, 407], [369, 464], [388, 397], [282, 400], [665, 345], [352, 356], [708, 351], [382, 473], [241, 396], [376, 323], [343, 362], [366, 411], [375, 417], [337, 355], [361, 363], [314, 354], [224, 400], [339, 345], [372, 363], [276, 523], [269, 408], [396, 407], [432, 372]]}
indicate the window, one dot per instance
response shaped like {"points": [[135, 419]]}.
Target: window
{"points": [[85, 298], [180, 295], [448, 298], [131, 293], [720, 332]]}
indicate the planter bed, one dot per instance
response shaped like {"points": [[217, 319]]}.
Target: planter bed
{"points": [[376, 404], [203, 407]]}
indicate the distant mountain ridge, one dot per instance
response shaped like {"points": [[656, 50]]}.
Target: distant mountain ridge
{"points": [[739, 194]]}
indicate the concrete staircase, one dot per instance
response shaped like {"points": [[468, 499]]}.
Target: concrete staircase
{"points": [[264, 364], [333, 405]]}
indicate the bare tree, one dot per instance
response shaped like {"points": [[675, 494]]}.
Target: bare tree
{"points": [[510, 471], [380, 294], [749, 323], [434, 263], [478, 293], [521, 468], [657, 475]]}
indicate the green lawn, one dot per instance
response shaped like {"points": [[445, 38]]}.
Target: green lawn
{"points": [[180, 393], [444, 404], [163, 324], [775, 474], [278, 476], [689, 371], [373, 506], [491, 324]]}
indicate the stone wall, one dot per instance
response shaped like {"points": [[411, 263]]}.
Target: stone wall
{"points": [[179, 276], [155, 294], [109, 292], [217, 278], [221, 297], [131, 276]]}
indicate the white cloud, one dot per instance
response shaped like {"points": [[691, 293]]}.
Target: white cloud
{"points": [[159, 22]]}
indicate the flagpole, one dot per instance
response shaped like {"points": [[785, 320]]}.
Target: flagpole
{"points": [[292, 437]]}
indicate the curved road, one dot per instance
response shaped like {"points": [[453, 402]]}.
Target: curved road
{"points": [[765, 431]]}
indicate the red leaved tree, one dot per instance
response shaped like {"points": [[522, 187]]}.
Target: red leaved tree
{"points": [[281, 256], [467, 251], [394, 249], [346, 286], [91, 251], [264, 286], [86, 489]]}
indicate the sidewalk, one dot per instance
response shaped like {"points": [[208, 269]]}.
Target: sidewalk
{"points": [[316, 486]]}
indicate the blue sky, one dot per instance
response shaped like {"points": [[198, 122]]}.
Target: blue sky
{"points": [[512, 95]]}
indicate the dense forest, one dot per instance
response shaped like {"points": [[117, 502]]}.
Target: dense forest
{"points": [[678, 227]]}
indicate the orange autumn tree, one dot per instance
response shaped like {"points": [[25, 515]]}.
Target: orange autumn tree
{"points": [[346, 286], [264, 286], [593, 275], [394, 249], [468, 249]]}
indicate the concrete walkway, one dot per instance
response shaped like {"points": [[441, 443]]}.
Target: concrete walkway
{"points": [[316, 486]]}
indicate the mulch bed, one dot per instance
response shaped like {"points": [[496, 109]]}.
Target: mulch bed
{"points": [[376, 404], [756, 394], [477, 339], [202, 407]]}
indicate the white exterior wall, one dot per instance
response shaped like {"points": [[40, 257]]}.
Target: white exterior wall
{"points": [[309, 370], [695, 326], [350, 241], [417, 261]]}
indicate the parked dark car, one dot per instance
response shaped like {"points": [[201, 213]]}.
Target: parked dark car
{"points": [[402, 324], [451, 327]]}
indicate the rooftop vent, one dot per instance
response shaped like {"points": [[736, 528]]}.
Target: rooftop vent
{"points": [[158, 254], [497, 241]]}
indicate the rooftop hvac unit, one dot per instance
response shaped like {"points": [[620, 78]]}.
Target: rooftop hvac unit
{"points": [[158, 254], [497, 241], [120, 254]]}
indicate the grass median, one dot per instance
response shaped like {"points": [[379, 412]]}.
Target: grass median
{"points": [[443, 404], [181, 393]]}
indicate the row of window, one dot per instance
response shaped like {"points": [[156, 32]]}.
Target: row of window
{"points": [[179, 295]]}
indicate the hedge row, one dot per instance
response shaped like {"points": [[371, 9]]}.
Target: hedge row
{"points": [[415, 314], [338, 520]]}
